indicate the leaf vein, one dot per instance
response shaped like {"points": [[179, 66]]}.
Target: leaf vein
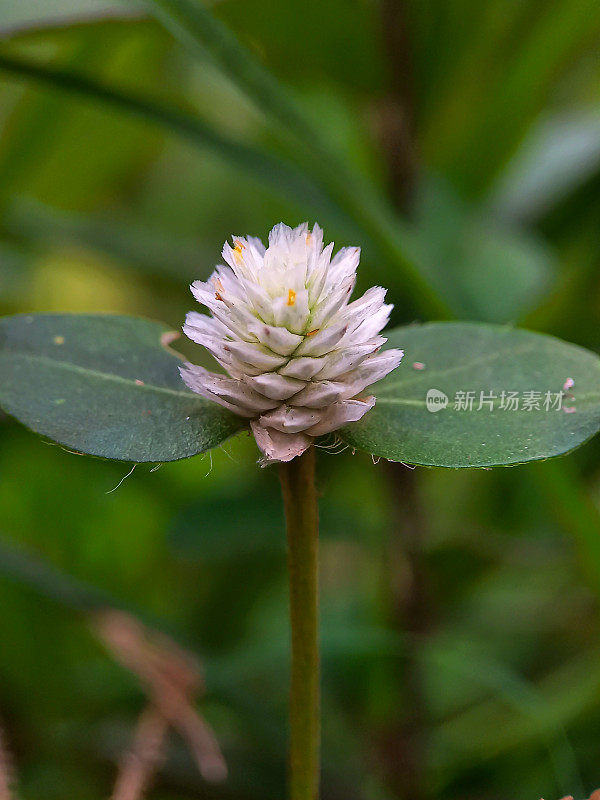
{"points": [[70, 367]]}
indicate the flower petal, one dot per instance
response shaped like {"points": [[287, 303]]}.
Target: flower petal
{"points": [[320, 395], [259, 300], [201, 328], [290, 420], [280, 340], [194, 380], [274, 385], [205, 294], [318, 274], [331, 304], [234, 392], [370, 326], [291, 309], [343, 264], [278, 446], [341, 361], [256, 354], [321, 342], [372, 369], [303, 368], [340, 414]]}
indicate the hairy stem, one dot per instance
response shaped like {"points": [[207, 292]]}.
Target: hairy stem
{"points": [[300, 501]]}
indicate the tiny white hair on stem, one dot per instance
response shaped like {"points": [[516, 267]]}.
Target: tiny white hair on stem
{"points": [[342, 449], [228, 454], [210, 469], [64, 448], [332, 445], [122, 481]]}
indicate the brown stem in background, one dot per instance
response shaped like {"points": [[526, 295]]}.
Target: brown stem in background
{"points": [[395, 117], [142, 761], [402, 741], [172, 681], [594, 796], [5, 770]]}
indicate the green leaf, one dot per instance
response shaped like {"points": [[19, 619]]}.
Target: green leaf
{"points": [[394, 241], [26, 569], [27, 15], [259, 163], [105, 385], [137, 248], [484, 104], [559, 155], [476, 358], [41, 151], [494, 272]]}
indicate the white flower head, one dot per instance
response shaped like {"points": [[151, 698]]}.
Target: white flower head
{"points": [[299, 355]]}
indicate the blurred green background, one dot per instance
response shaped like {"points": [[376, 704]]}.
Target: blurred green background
{"points": [[455, 141]]}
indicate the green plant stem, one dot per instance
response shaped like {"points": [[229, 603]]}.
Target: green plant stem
{"points": [[300, 502]]}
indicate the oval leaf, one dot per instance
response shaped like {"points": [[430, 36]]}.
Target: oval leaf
{"points": [[105, 385], [458, 357]]}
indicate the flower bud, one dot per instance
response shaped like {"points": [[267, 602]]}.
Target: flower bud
{"points": [[299, 354]]}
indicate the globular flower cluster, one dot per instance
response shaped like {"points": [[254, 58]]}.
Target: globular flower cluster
{"points": [[299, 355]]}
